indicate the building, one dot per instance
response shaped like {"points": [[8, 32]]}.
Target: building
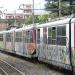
{"points": [[26, 12], [27, 9], [9, 20], [3, 24]]}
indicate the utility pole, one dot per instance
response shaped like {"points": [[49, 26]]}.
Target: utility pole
{"points": [[15, 18], [71, 10], [33, 12], [59, 8]]}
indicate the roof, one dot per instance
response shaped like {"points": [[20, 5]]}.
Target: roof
{"points": [[59, 22]]}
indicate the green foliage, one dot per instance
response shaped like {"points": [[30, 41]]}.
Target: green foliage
{"points": [[43, 18], [30, 20], [11, 21], [54, 4], [37, 19]]}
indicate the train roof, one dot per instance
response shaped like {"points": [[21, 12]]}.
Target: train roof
{"points": [[24, 28], [54, 23], [1, 32], [11, 30]]}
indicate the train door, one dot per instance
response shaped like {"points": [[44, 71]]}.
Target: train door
{"points": [[19, 42], [40, 43], [52, 52], [73, 44], [45, 51], [48, 42], [29, 43], [4, 41], [24, 43], [12, 41], [8, 41]]}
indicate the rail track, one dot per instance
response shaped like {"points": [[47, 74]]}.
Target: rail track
{"points": [[7, 69], [27, 67]]}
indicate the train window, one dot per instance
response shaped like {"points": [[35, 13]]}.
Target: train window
{"points": [[53, 32], [18, 37], [49, 40], [53, 42], [54, 28], [63, 41], [45, 35], [18, 34], [49, 35], [59, 40], [31, 36], [27, 36], [1, 37], [38, 36], [38, 33], [8, 37], [58, 31], [61, 35], [61, 31], [52, 35], [24, 36], [49, 32]]}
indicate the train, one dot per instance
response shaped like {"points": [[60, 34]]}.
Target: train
{"points": [[52, 42]]}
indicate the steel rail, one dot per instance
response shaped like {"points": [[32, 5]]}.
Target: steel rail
{"points": [[4, 71], [12, 68]]}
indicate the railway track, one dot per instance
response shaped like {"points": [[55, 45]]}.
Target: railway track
{"points": [[7, 69], [29, 68]]}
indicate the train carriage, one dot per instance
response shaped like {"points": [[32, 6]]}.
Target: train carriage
{"points": [[9, 39], [50, 42], [54, 43]]}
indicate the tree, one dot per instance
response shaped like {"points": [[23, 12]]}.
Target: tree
{"points": [[43, 18], [30, 20], [53, 7], [37, 19]]}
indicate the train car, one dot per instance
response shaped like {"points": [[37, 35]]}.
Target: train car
{"points": [[53, 43], [9, 39]]}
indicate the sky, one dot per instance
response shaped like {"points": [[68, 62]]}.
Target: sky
{"points": [[12, 5]]}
